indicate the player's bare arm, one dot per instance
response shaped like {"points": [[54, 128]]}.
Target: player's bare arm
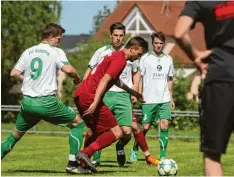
{"points": [[141, 86], [183, 39], [102, 86], [17, 74], [170, 86], [87, 73], [120, 84], [71, 72], [136, 81]]}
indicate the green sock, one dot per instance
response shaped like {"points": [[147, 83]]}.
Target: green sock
{"points": [[8, 144], [135, 146], [97, 156], [76, 138], [163, 141]]}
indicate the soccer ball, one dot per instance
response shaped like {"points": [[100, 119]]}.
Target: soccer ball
{"points": [[167, 167]]}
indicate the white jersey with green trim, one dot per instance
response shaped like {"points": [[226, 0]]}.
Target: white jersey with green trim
{"points": [[126, 75], [39, 65], [155, 71]]}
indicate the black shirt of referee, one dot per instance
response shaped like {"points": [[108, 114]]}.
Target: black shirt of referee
{"points": [[218, 20]]}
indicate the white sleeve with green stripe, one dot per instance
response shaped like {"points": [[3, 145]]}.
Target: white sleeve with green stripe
{"points": [[62, 59], [171, 69], [136, 66], [20, 65], [95, 59]]}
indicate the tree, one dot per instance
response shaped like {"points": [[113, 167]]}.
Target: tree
{"points": [[22, 23], [100, 18]]}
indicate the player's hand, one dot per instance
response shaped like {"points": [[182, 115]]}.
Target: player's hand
{"points": [[75, 81], [90, 110], [172, 104], [201, 61], [133, 99], [135, 87], [140, 98]]}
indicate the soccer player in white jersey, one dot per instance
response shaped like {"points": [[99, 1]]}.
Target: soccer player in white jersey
{"points": [[157, 78], [118, 100], [37, 68]]}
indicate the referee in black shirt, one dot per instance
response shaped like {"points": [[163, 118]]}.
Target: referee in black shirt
{"points": [[217, 66]]}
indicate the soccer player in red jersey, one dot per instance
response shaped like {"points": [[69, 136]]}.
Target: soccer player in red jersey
{"points": [[89, 98]]}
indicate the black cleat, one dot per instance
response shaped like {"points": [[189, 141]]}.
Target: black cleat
{"points": [[121, 159], [85, 159], [74, 168]]}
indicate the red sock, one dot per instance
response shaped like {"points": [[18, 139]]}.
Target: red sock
{"points": [[82, 164], [104, 140], [141, 141], [87, 139]]}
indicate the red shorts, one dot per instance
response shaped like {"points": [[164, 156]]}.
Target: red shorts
{"points": [[134, 118], [101, 120]]}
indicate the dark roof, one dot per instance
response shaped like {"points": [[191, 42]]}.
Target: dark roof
{"points": [[160, 22], [70, 41]]}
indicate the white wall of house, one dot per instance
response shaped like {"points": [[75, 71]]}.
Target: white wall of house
{"points": [[137, 24]]}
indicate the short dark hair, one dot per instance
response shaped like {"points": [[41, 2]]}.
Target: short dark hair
{"points": [[159, 35], [118, 26], [137, 41], [52, 29]]}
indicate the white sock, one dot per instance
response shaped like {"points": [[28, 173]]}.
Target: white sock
{"points": [[72, 157]]}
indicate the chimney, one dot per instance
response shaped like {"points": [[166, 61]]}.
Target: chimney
{"points": [[165, 7]]}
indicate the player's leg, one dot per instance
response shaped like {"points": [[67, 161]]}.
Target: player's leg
{"points": [[109, 99], [141, 141], [212, 164], [75, 143], [123, 141], [97, 158], [123, 114], [216, 123], [56, 112], [24, 121], [164, 113], [135, 130], [9, 142], [107, 129], [120, 104], [104, 140], [148, 112], [88, 140]]}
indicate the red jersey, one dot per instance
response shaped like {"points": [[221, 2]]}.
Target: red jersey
{"points": [[112, 64]]}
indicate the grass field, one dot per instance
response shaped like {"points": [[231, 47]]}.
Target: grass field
{"points": [[46, 155], [45, 126]]}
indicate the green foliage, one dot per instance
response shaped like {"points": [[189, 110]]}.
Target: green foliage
{"points": [[184, 123], [9, 117], [100, 18], [181, 88], [22, 23]]}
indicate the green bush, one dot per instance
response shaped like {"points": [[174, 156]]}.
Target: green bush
{"points": [[181, 88], [8, 117]]}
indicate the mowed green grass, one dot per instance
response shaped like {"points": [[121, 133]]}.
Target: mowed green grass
{"points": [[47, 155]]}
